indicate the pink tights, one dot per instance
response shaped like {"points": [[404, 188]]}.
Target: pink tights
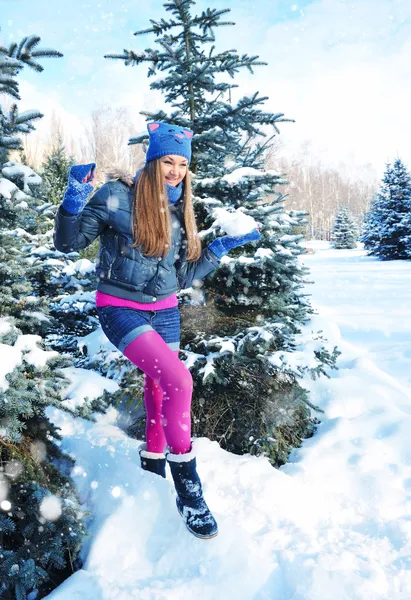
{"points": [[168, 388]]}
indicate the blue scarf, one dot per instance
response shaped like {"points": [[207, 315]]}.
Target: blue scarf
{"points": [[174, 193]]}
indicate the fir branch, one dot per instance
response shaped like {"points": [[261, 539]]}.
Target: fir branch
{"points": [[158, 27], [210, 18], [135, 58]]}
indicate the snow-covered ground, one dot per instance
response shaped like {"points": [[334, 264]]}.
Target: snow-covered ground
{"points": [[332, 524]]}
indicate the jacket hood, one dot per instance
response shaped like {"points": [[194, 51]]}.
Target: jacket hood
{"points": [[120, 175]]}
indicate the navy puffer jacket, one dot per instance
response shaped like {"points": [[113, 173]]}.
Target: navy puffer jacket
{"points": [[125, 271]]}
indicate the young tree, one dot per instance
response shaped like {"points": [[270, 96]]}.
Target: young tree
{"points": [[246, 394], [344, 233], [55, 171], [387, 225]]}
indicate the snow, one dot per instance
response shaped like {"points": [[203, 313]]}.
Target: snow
{"points": [[22, 233], [208, 368], [96, 341], [8, 188], [79, 301], [333, 523], [264, 253], [10, 358], [192, 357], [42, 251], [284, 251], [80, 267], [22, 204], [5, 325], [25, 348], [54, 262], [85, 383], [304, 354], [246, 172], [13, 170], [238, 176], [34, 355], [226, 345], [248, 260]]}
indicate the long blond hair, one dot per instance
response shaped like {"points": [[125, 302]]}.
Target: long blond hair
{"points": [[151, 220]]}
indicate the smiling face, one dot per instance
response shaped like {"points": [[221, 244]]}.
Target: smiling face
{"points": [[173, 168]]}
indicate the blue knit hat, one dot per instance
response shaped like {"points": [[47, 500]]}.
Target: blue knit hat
{"points": [[168, 139]]}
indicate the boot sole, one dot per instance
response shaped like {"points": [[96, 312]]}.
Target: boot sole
{"points": [[197, 535]]}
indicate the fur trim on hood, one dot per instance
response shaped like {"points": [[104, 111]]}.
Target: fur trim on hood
{"points": [[120, 175]]}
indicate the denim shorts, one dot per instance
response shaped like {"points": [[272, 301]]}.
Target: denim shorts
{"points": [[122, 325]]}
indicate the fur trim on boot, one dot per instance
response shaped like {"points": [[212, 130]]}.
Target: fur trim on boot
{"points": [[152, 462], [190, 501]]}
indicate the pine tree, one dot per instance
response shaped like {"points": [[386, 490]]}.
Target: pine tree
{"points": [[387, 225], [34, 544], [344, 233], [246, 390], [55, 172], [371, 227], [18, 183]]}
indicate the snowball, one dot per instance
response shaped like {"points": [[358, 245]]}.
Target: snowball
{"points": [[236, 223]]}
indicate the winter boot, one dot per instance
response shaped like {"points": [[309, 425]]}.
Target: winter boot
{"points": [[153, 462], [190, 502]]}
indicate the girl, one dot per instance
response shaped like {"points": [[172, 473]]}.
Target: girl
{"points": [[149, 247]]}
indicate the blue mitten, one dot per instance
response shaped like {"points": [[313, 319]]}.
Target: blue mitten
{"points": [[77, 191], [221, 246]]}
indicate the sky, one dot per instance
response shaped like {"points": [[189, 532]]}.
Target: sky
{"points": [[340, 68]]}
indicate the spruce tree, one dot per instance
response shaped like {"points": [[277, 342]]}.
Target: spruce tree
{"points": [[34, 546], [54, 172], [371, 227], [387, 225], [36, 543], [344, 232], [247, 394]]}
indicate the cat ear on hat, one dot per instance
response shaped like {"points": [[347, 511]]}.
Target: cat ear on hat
{"points": [[152, 126]]}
